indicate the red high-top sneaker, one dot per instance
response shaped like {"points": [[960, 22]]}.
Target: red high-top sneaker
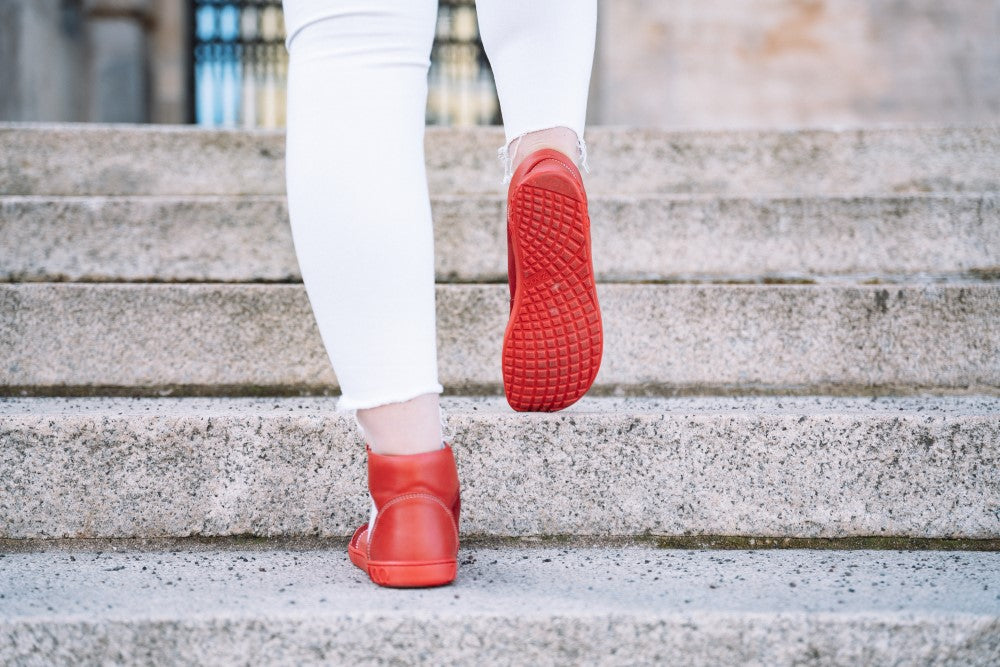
{"points": [[414, 539], [554, 340]]}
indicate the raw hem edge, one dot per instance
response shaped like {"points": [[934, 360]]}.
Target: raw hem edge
{"points": [[506, 157], [346, 404]]}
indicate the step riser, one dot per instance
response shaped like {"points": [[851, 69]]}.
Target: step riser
{"points": [[767, 467], [95, 160], [248, 239], [658, 338]]}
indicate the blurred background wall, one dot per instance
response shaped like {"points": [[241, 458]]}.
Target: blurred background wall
{"points": [[711, 63], [665, 63]]}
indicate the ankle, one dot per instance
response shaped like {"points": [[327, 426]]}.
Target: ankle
{"points": [[561, 139], [401, 429]]}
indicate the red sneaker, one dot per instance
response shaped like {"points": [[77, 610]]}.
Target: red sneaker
{"points": [[554, 340], [414, 540]]}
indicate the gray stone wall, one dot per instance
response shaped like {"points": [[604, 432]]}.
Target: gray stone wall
{"points": [[712, 63]]}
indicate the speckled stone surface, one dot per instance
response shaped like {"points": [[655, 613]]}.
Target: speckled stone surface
{"points": [[208, 239], [798, 467], [93, 160], [508, 606], [673, 237], [658, 338]]}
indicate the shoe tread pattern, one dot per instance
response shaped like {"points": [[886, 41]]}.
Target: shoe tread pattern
{"points": [[553, 343]]}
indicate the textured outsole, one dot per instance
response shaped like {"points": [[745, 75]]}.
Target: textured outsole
{"points": [[413, 575], [554, 340], [425, 574]]}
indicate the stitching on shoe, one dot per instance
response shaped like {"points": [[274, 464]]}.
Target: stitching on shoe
{"points": [[564, 165], [381, 510], [572, 172]]}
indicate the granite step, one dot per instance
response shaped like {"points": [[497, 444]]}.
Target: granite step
{"points": [[801, 467], [146, 160], [636, 237], [509, 605], [145, 339]]}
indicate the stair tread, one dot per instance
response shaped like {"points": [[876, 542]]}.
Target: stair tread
{"points": [[608, 605]]}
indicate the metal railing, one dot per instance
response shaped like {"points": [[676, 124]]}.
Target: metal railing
{"points": [[460, 83], [240, 66], [240, 63]]}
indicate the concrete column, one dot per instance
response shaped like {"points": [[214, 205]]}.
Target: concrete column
{"points": [[41, 60], [118, 81], [171, 62]]}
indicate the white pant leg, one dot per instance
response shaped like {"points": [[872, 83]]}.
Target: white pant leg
{"points": [[542, 53], [357, 190]]}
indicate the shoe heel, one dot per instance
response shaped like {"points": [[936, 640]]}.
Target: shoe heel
{"points": [[412, 575], [413, 540], [555, 182]]}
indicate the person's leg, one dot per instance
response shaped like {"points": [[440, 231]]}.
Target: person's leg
{"points": [[361, 222], [359, 206], [542, 54]]}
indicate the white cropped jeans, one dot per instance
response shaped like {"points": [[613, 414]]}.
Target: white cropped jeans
{"points": [[356, 180]]}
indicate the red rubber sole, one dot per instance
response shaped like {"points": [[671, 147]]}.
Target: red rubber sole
{"points": [[423, 574], [412, 575], [554, 340]]}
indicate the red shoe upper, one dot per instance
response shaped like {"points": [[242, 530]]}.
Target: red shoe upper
{"points": [[417, 498]]}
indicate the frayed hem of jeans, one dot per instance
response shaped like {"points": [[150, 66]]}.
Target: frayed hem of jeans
{"points": [[346, 404], [505, 154]]}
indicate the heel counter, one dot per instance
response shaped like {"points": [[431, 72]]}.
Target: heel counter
{"points": [[414, 527]]}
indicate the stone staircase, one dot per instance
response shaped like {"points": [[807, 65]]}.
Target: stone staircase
{"points": [[802, 350]]}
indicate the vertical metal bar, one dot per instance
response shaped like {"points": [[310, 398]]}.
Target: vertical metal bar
{"points": [[189, 45]]}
